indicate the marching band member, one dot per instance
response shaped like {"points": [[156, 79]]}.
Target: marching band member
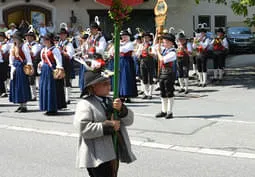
{"points": [[51, 92], [96, 41], [127, 81], [19, 85], [137, 51], [67, 52], [4, 50], [220, 46], [184, 52], [147, 65], [167, 75], [35, 49], [83, 48], [200, 44]]}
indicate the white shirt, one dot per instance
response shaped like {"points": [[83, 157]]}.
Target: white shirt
{"points": [[35, 47], [57, 56], [102, 45], [42, 31], [3, 49], [126, 47], [26, 52], [204, 43], [224, 43], [10, 32], [68, 47], [169, 55]]}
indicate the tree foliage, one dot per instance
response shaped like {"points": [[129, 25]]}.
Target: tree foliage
{"points": [[239, 7]]}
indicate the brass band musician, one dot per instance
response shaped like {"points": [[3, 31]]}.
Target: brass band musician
{"points": [[220, 48], [184, 52]]}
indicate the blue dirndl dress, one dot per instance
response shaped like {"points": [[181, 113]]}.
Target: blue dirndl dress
{"points": [[127, 81], [51, 91], [110, 66], [19, 86], [81, 77]]}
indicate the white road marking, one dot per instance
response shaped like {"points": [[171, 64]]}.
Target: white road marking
{"points": [[217, 120], [197, 150]]}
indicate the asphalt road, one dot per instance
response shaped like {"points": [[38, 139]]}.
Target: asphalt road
{"points": [[212, 134]]}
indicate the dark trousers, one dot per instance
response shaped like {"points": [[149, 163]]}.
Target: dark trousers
{"points": [[218, 59], [166, 83], [183, 67], [3, 77], [147, 70], [107, 169], [201, 63], [68, 70]]}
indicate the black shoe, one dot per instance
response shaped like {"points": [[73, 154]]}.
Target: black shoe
{"points": [[17, 110], [181, 90], [68, 102], [203, 85], [157, 89], [33, 99], [200, 85], [161, 114], [186, 92], [149, 97], [23, 109], [4, 95], [140, 92], [194, 74], [144, 97], [128, 100], [51, 113], [122, 100], [214, 80], [169, 116]]}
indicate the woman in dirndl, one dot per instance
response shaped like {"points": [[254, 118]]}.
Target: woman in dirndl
{"points": [[19, 85], [127, 81], [51, 93]]}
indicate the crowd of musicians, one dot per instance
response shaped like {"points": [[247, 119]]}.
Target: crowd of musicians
{"points": [[158, 60]]}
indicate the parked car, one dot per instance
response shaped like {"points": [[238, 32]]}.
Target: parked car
{"points": [[240, 39]]}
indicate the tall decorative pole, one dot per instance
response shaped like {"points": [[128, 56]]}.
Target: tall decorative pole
{"points": [[160, 12], [119, 13]]}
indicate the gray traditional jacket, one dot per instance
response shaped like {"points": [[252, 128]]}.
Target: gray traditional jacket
{"points": [[95, 148]]}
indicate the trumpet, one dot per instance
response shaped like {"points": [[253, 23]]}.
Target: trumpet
{"points": [[217, 41]]}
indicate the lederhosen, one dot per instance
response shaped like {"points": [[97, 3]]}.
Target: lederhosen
{"points": [[201, 58], [167, 76], [66, 63], [147, 65], [3, 69], [52, 95], [35, 61], [219, 54], [183, 63]]}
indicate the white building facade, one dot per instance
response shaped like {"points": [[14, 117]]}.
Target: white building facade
{"points": [[182, 14]]}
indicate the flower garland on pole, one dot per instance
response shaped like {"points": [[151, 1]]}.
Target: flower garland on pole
{"points": [[119, 13]]}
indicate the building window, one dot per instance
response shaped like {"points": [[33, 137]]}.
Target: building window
{"points": [[205, 19], [220, 21]]}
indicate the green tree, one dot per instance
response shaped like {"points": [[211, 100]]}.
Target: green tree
{"points": [[239, 7]]}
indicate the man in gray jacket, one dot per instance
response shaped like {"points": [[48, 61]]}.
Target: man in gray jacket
{"points": [[96, 127]]}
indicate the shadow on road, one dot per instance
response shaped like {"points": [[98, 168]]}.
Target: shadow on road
{"points": [[215, 116], [240, 77]]}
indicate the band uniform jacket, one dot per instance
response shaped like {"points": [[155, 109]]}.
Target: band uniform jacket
{"points": [[95, 148]]}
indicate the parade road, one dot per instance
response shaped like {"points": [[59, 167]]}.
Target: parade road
{"points": [[212, 133]]}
